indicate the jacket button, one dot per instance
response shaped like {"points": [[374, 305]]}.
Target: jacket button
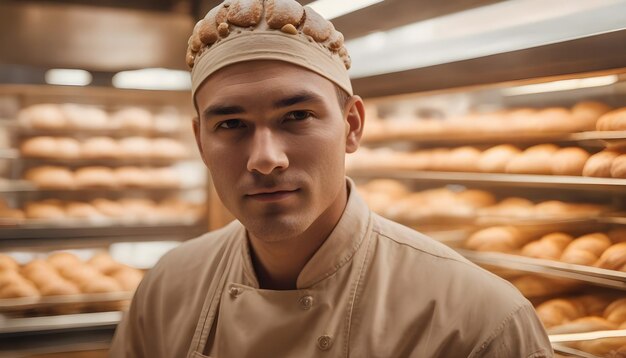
{"points": [[324, 342], [306, 302], [234, 292]]}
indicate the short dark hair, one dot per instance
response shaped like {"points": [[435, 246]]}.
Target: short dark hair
{"points": [[342, 97]]}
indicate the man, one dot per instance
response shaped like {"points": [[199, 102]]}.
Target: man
{"points": [[307, 270]]}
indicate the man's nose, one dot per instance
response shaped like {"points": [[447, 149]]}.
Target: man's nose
{"points": [[266, 153]]}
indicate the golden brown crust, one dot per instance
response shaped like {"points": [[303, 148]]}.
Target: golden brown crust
{"points": [[569, 161], [599, 164], [315, 25], [279, 13], [618, 167], [245, 13]]}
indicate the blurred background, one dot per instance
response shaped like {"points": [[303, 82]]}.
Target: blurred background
{"points": [[496, 127]]}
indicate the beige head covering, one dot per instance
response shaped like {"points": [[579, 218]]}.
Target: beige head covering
{"points": [[245, 30]]}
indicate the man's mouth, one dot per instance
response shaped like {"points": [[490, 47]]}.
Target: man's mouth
{"points": [[270, 195]]}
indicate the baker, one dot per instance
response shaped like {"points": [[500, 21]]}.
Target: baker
{"points": [[306, 270]]}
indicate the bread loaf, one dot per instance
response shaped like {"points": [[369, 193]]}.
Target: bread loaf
{"points": [[497, 238], [495, 159], [616, 312], [95, 176], [133, 118], [43, 116], [613, 121], [534, 160], [8, 263], [587, 113], [549, 247], [100, 147], [51, 177], [618, 167], [599, 164], [613, 258], [586, 249], [558, 311], [569, 161]]}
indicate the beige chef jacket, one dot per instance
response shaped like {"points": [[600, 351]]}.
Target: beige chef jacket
{"points": [[373, 289]]}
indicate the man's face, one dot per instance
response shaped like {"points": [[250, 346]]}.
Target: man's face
{"points": [[273, 136]]}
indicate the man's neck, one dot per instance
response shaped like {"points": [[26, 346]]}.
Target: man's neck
{"points": [[278, 264]]}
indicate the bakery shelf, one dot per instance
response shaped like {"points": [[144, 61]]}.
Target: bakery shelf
{"points": [[592, 275], [511, 180], [60, 322], [103, 162], [10, 186], [95, 236], [86, 132], [592, 138], [13, 305], [557, 341]]}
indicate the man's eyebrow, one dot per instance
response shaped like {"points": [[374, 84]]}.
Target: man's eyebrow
{"points": [[219, 110], [300, 97]]}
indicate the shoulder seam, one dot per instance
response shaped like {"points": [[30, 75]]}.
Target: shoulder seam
{"points": [[420, 250]]}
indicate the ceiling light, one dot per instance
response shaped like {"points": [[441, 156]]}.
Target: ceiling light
{"points": [[153, 79], [331, 9], [562, 85], [68, 77]]}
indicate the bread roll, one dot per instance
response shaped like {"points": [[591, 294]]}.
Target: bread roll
{"points": [[534, 160], [21, 289], [587, 113], [81, 210], [43, 116], [555, 119], [135, 147], [51, 177], [63, 260], [138, 208], [8, 263], [104, 263], [39, 147], [497, 238], [558, 311], [618, 167], [476, 198], [613, 258], [100, 284], [36, 265], [463, 159], [164, 178], [100, 147], [130, 176], [9, 277], [495, 159], [59, 287], [392, 188], [599, 164], [133, 118], [616, 312], [96, 176], [569, 161], [128, 278], [79, 273], [613, 121], [586, 249], [108, 207], [166, 148], [68, 148], [549, 247], [45, 210]]}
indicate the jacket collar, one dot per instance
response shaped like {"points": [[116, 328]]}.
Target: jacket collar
{"points": [[338, 249]]}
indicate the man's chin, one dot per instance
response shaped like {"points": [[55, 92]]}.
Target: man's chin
{"points": [[275, 229]]}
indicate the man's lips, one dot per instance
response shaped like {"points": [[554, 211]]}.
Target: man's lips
{"points": [[271, 195]]}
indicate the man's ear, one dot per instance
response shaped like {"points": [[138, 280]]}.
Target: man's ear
{"points": [[195, 122], [354, 118]]}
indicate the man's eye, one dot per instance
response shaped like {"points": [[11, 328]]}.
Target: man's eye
{"points": [[298, 115], [230, 124]]}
